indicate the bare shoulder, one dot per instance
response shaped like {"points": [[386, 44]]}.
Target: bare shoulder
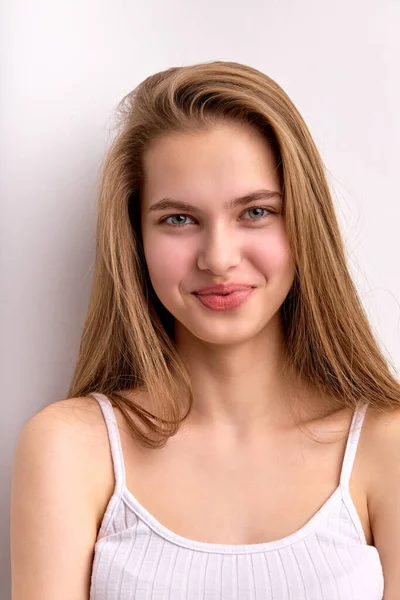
{"points": [[379, 447], [382, 441], [81, 412], [73, 432], [77, 419], [61, 480], [382, 434]]}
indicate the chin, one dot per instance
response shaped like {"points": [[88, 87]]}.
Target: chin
{"points": [[244, 330]]}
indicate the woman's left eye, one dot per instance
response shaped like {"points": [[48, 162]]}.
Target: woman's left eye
{"points": [[257, 208], [254, 208]]}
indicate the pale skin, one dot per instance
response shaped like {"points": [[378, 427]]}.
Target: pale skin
{"points": [[234, 355], [240, 435]]}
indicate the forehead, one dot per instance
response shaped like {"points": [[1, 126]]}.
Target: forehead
{"points": [[225, 160]]}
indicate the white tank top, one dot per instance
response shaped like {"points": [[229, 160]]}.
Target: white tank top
{"points": [[137, 558]]}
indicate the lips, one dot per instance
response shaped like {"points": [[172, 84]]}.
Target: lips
{"points": [[225, 302], [223, 289]]}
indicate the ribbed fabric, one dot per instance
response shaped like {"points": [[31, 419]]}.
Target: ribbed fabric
{"points": [[137, 558]]}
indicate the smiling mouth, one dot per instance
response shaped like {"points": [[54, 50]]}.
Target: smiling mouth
{"points": [[225, 301]]}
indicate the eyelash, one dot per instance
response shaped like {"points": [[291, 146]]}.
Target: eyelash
{"points": [[163, 220]]}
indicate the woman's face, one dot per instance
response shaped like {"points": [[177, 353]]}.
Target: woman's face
{"points": [[211, 242]]}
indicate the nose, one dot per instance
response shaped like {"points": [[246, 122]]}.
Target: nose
{"points": [[219, 252]]}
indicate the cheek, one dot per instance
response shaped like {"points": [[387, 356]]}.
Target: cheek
{"points": [[167, 262], [272, 256]]}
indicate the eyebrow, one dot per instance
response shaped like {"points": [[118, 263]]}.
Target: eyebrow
{"points": [[167, 203]]}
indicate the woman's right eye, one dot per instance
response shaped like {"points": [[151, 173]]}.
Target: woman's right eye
{"points": [[164, 220]]}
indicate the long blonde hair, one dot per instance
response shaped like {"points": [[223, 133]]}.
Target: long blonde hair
{"points": [[127, 341]]}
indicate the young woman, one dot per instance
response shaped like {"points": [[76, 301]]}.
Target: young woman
{"points": [[232, 430]]}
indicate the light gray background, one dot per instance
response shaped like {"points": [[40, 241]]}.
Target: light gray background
{"points": [[65, 65]]}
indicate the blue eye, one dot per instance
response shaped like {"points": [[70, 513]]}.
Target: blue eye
{"points": [[253, 208], [173, 217], [257, 208]]}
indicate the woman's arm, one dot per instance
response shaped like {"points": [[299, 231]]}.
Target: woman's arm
{"points": [[54, 508], [384, 500]]}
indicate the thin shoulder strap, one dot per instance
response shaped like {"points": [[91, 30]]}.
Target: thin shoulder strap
{"points": [[351, 445], [114, 438]]}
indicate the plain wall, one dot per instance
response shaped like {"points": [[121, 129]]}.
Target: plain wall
{"points": [[64, 67]]}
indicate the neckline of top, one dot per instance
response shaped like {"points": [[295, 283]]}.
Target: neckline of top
{"points": [[219, 548], [341, 492]]}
